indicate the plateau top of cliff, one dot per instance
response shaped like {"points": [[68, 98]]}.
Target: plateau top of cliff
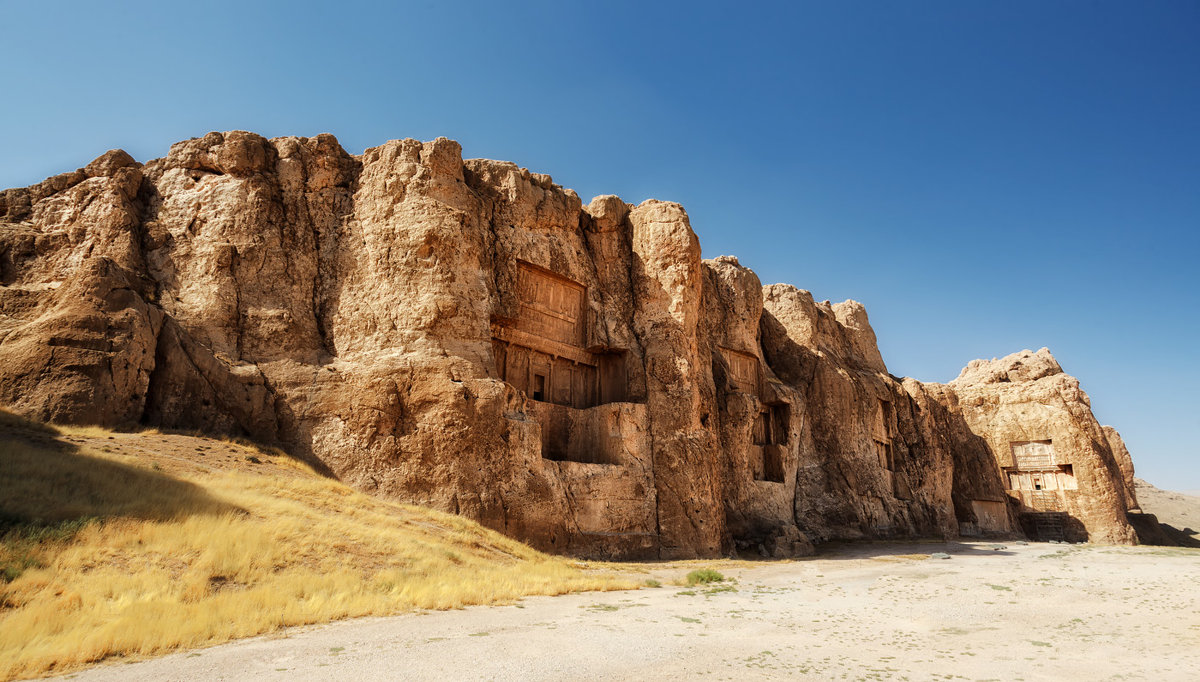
{"points": [[241, 154], [1024, 365]]}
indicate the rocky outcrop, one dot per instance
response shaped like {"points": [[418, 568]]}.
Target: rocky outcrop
{"points": [[1040, 426], [468, 335]]}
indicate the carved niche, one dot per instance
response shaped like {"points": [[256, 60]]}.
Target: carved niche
{"points": [[541, 351], [1037, 477], [770, 429], [881, 434], [881, 437], [743, 370]]}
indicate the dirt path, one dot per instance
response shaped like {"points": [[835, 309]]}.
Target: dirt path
{"points": [[1021, 612]]}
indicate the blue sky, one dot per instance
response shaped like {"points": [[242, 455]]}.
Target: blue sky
{"points": [[984, 176]]}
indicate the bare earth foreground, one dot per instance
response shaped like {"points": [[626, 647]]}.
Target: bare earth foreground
{"points": [[1010, 611]]}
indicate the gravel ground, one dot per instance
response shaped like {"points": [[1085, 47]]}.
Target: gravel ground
{"points": [[1009, 611]]}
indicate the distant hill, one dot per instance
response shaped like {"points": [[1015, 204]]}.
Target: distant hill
{"points": [[1180, 511]]}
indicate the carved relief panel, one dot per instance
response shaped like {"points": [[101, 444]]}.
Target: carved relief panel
{"points": [[1037, 474], [540, 351], [551, 306], [1033, 454], [743, 370]]}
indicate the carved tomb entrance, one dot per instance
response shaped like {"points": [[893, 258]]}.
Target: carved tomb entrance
{"points": [[541, 353], [1037, 477], [770, 430]]}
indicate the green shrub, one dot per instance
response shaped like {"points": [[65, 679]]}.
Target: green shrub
{"points": [[704, 576]]}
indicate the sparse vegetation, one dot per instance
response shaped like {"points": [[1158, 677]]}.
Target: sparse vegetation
{"points": [[120, 554], [703, 576], [900, 557]]}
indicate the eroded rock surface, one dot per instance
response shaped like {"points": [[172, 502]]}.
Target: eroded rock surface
{"points": [[468, 335], [1125, 464]]}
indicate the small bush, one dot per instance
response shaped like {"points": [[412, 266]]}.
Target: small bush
{"points": [[703, 576]]}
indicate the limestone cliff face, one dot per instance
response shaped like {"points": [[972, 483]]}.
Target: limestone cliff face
{"points": [[877, 456], [468, 335]]}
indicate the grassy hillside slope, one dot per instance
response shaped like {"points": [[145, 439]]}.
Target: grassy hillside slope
{"points": [[130, 544]]}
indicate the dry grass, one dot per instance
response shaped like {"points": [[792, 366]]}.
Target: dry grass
{"points": [[901, 557], [186, 542]]}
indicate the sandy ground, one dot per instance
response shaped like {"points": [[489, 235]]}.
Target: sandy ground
{"points": [[1009, 611]]}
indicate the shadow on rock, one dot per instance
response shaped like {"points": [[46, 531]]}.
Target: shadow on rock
{"points": [[1151, 531]]}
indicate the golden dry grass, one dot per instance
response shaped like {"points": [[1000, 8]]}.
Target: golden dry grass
{"points": [[901, 557], [138, 544]]}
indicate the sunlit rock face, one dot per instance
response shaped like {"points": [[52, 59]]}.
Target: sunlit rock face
{"points": [[1057, 461], [469, 335]]}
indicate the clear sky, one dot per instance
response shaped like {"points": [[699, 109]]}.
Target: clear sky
{"points": [[984, 176]]}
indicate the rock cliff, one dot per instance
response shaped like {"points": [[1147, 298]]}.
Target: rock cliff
{"points": [[468, 335]]}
